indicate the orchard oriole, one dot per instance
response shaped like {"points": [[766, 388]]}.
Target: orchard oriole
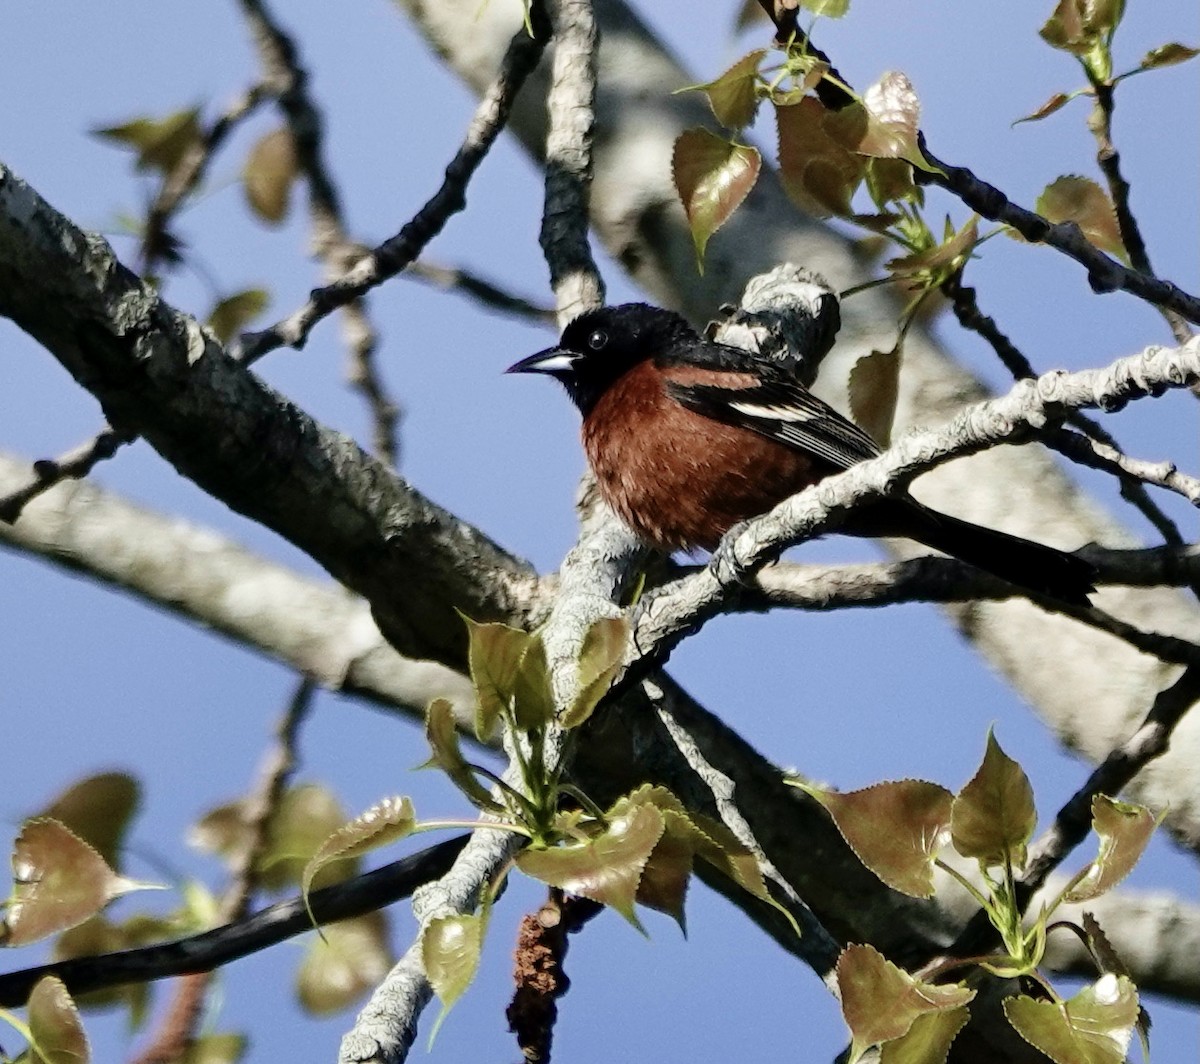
{"points": [[687, 437]]}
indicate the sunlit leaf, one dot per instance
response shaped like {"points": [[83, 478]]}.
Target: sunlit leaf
{"points": [[893, 121], [818, 159], [1081, 200], [232, 314], [873, 389], [267, 177], [1093, 1027], [450, 950], [350, 958], [98, 809], [1168, 55], [712, 176], [600, 660], [993, 816], [58, 882], [494, 653], [896, 829], [880, 1001], [608, 867], [55, 1029], [160, 143], [733, 95], [928, 1040], [1124, 831], [384, 823]]}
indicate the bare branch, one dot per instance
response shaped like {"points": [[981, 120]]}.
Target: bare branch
{"points": [[970, 317], [396, 253], [1109, 160], [671, 612], [76, 464], [288, 80], [487, 293]]}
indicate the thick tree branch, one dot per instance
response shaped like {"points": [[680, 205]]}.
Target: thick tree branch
{"points": [[158, 374]]}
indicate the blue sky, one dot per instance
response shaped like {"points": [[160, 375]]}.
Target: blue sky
{"points": [[94, 680]]}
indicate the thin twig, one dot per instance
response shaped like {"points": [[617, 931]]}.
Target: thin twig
{"points": [[73, 465], [1109, 160], [1105, 274], [287, 78], [490, 295], [177, 1028], [396, 253], [966, 309]]}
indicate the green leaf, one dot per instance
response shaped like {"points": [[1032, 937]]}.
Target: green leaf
{"points": [[160, 143], [1093, 1027], [98, 809], [880, 1002], [873, 388], [712, 176], [450, 950], [818, 159], [533, 699], [56, 1033], [1168, 55], [1124, 831], [232, 314], [600, 660], [896, 829], [1085, 29], [607, 868], [893, 121], [267, 177], [1081, 200], [934, 264], [442, 734], [385, 822], [350, 958], [993, 816], [928, 1040], [494, 655], [308, 815], [733, 96], [58, 882]]}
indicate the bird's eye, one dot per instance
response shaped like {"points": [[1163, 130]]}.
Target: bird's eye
{"points": [[598, 340]]}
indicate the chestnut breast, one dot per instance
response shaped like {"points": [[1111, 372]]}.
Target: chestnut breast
{"points": [[677, 478]]}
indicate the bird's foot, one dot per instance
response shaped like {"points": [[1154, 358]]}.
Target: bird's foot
{"points": [[725, 564]]}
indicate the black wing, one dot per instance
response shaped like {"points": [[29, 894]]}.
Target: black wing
{"points": [[785, 411]]}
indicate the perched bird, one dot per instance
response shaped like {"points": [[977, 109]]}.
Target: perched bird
{"points": [[687, 437]]}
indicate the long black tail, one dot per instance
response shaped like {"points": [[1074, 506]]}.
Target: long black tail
{"points": [[1033, 566]]}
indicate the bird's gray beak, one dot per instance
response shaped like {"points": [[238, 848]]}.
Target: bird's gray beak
{"points": [[554, 361]]}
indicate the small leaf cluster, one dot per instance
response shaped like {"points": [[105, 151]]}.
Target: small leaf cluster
{"points": [[899, 829], [826, 155], [640, 849], [163, 145]]}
